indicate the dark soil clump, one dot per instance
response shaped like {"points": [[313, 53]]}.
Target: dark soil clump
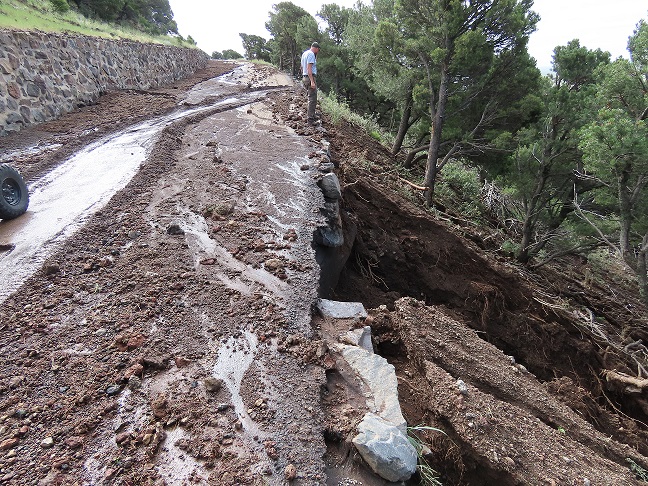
{"points": [[536, 322]]}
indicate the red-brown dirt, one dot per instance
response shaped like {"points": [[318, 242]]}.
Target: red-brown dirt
{"points": [[542, 355]]}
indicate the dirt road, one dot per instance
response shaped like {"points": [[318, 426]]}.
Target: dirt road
{"points": [[157, 310], [152, 287]]}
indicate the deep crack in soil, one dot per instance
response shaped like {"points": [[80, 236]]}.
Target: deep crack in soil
{"points": [[539, 409]]}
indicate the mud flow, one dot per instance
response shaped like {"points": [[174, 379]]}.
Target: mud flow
{"points": [[162, 319], [63, 199], [158, 294]]}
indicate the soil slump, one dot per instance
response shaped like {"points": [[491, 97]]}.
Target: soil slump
{"points": [[533, 372]]}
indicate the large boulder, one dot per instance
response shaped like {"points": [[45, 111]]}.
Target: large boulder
{"points": [[359, 337], [332, 234], [385, 448], [330, 185], [341, 310], [380, 377]]}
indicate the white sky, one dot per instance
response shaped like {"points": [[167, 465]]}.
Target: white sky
{"points": [[215, 25], [605, 24]]}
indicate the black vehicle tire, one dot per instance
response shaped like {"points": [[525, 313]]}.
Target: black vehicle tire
{"points": [[14, 197]]}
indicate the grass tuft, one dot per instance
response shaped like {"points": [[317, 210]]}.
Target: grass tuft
{"points": [[638, 471], [339, 110], [429, 477]]}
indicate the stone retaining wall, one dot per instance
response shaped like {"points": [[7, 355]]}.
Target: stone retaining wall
{"points": [[43, 76]]}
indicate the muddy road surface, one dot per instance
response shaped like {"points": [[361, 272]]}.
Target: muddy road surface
{"points": [[159, 324], [150, 292]]}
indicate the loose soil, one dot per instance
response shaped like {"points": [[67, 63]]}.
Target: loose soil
{"points": [[546, 355], [171, 339]]}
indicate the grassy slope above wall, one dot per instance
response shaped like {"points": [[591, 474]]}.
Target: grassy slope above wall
{"points": [[39, 15]]}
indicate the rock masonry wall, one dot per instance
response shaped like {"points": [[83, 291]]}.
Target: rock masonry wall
{"points": [[43, 75]]}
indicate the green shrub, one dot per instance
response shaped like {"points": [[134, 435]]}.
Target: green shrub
{"points": [[339, 110], [60, 6], [459, 186], [429, 477], [463, 178], [639, 471], [510, 247]]}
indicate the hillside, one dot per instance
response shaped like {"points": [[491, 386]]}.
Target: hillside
{"points": [[42, 15], [170, 336], [550, 355]]}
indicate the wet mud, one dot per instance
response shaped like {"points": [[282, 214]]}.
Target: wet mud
{"points": [[165, 333], [63, 199], [122, 343]]}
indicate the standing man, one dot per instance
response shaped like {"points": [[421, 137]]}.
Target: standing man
{"points": [[309, 79]]}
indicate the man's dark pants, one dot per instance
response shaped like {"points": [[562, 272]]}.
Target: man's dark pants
{"points": [[312, 99]]}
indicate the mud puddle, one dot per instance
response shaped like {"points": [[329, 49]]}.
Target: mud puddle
{"points": [[212, 87], [247, 278], [30, 151], [234, 360], [178, 467]]}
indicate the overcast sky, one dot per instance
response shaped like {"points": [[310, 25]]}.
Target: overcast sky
{"points": [[604, 24]]}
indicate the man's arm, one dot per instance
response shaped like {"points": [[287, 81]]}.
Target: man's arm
{"points": [[310, 75]]}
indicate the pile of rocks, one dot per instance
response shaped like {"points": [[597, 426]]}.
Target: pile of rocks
{"points": [[381, 437], [334, 239]]}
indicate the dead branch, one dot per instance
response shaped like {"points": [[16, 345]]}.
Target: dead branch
{"points": [[351, 183], [641, 371], [420, 188], [574, 250], [579, 211], [547, 304], [632, 383], [634, 346]]}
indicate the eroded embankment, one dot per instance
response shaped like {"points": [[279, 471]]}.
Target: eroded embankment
{"points": [[482, 322]]}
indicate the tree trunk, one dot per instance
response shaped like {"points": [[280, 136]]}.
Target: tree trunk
{"points": [[642, 269], [412, 155], [527, 232], [430, 179], [404, 122], [436, 131], [625, 213]]}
